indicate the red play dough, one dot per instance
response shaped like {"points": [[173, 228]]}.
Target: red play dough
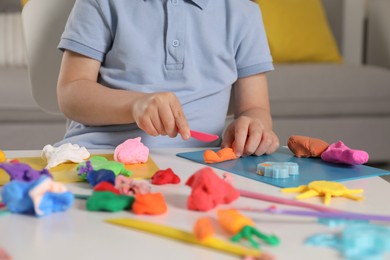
{"points": [[209, 190], [165, 177], [106, 186]]}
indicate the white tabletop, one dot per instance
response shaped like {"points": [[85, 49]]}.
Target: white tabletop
{"points": [[80, 234]]}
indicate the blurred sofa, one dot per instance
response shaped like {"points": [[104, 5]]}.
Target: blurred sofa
{"points": [[333, 101]]}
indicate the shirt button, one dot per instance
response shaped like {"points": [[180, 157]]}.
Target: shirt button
{"points": [[175, 43], [175, 2]]}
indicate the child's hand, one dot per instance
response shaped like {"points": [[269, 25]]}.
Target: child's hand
{"points": [[161, 114], [249, 136]]}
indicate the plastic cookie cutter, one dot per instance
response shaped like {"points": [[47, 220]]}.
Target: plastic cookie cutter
{"points": [[357, 241], [278, 170], [328, 189]]}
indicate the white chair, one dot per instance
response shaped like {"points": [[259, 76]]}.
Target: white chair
{"points": [[43, 23]]}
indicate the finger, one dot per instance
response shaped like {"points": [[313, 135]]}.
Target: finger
{"points": [[157, 122], [147, 126], [240, 136], [265, 144], [168, 121], [228, 137], [253, 140], [274, 146], [180, 120]]}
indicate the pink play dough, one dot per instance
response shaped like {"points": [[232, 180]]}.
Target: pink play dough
{"points": [[131, 151], [340, 153]]}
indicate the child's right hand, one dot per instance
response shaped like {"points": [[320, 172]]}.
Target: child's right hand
{"points": [[161, 114]]}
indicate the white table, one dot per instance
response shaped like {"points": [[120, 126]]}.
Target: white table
{"points": [[80, 234]]}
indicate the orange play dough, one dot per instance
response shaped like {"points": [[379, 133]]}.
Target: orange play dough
{"points": [[304, 146], [203, 228], [222, 155], [150, 204], [232, 220]]}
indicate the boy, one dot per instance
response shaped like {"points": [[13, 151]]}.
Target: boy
{"points": [[155, 68]]}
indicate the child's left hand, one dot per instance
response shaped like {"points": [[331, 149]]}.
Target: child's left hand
{"points": [[249, 136]]}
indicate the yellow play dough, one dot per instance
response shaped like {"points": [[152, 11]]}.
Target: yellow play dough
{"points": [[328, 189], [3, 158]]}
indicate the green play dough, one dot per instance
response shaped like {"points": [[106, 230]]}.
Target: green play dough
{"points": [[100, 162], [108, 201]]}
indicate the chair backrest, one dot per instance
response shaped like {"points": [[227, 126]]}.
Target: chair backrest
{"points": [[43, 23]]}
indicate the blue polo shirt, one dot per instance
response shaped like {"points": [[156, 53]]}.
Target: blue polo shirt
{"points": [[194, 48]]}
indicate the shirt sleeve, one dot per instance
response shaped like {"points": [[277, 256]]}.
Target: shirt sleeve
{"points": [[253, 54], [87, 30]]}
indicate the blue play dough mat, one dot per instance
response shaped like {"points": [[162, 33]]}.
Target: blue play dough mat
{"points": [[310, 169]]}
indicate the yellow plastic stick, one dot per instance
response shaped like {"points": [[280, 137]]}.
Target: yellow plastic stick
{"points": [[184, 236]]}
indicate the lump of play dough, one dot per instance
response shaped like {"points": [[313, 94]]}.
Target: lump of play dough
{"points": [[150, 204], [203, 228], [65, 153], [23, 172], [208, 190], [15, 196], [3, 158], [100, 162], [326, 189], [340, 153], [108, 201], [304, 146], [277, 170], [222, 155], [129, 186], [49, 197], [106, 186], [102, 175], [131, 151], [356, 241], [41, 197], [232, 220], [165, 177], [4, 255]]}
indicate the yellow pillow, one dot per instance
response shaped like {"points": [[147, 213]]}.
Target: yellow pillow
{"points": [[298, 31]]}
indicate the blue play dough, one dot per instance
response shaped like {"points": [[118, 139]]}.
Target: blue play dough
{"points": [[16, 196], [98, 176], [357, 241], [55, 202]]}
